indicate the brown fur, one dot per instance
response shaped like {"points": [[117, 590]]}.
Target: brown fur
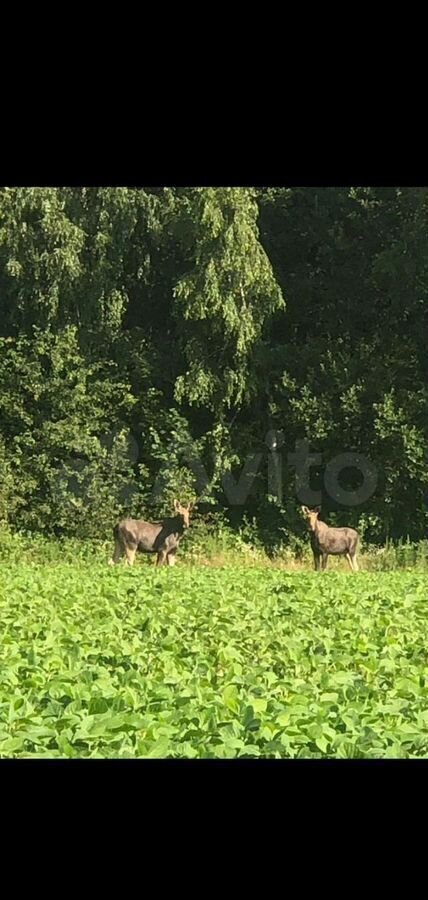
{"points": [[161, 538], [334, 541]]}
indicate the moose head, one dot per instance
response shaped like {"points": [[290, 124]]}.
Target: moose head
{"points": [[311, 516], [184, 512]]}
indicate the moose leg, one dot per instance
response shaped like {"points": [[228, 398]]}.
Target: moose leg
{"points": [[317, 561], [130, 555], [161, 558], [324, 560], [172, 557], [118, 552], [352, 558], [350, 561]]}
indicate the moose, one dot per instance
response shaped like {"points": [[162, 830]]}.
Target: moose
{"points": [[161, 537], [334, 541]]}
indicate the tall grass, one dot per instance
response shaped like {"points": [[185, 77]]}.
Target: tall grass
{"points": [[209, 546]]}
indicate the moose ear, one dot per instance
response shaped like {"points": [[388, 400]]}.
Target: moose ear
{"points": [[191, 505], [317, 509], [304, 509]]}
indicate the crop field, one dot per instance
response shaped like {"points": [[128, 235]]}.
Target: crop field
{"points": [[200, 662]]}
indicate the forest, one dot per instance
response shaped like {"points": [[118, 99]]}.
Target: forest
{"points": [[185, 342]]}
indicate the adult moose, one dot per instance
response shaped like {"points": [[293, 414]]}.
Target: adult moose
{"points": [[161, 537], [334, 541]]}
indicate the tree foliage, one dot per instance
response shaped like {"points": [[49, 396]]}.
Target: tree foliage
{"points": [[148, 335]]}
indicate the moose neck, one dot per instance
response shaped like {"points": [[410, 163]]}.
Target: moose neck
{"points": [[175, 524], [320, 527]]}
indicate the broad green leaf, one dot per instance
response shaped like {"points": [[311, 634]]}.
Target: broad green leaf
{"points": [[230, 697], [322, 743]]}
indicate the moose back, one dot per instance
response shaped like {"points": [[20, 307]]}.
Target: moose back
{"points": [[161, 537], [334, 541]]}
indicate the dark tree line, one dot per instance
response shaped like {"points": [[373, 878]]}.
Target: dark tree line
{"points": [[141, 329]]}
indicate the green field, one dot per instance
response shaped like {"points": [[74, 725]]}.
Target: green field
{"points": [[210, 662]]}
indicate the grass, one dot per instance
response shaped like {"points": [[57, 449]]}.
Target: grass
{"points": [[208, 662], [219, 548]]}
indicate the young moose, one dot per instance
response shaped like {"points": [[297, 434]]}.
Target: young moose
{"points": [[325, 540], [162, 537]]}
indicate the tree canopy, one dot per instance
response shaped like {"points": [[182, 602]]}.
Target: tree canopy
{"points": [[151, 338]]}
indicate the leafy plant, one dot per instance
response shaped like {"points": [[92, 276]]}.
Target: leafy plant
{"points": [[208, 662]]}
